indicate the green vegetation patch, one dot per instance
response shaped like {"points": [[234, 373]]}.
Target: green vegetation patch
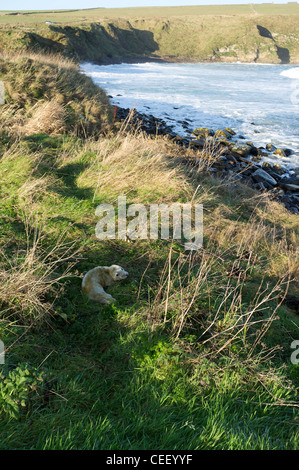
{"points": [[196, 351]]}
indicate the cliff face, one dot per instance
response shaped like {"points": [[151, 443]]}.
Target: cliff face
{"points": [[228, 39], [209, 38]]}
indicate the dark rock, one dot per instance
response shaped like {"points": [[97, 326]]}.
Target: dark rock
{"points": [[268, 185], [197, 143], [243, 150], [254, 151], [259, 186], [279, 152], [203, 132], [228, 130], [262, 176], [290, 187], [223, 134], [290, 180], [271, 147], [256, 159], [247, 172], [277, 168], [294, 210], [274, 175]]}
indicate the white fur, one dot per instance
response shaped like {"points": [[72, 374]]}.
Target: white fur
{"points": [[98, 278]]}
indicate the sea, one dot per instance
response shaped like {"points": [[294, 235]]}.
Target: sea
{"points": [[260, 102]]}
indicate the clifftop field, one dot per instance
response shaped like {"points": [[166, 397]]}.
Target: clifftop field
{"points": [[96, 14], [198, 350], [246, 33]]}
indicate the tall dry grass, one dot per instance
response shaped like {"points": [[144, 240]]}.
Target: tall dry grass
{"points": [[47, 93], [31, 281], [141, 167], [195, 296], [48, 117], [56, 60]]}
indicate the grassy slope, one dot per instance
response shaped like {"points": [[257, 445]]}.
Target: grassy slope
{"points": [[43, 91], [178, 361], [227, 33]]}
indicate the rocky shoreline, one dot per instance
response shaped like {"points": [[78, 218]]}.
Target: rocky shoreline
{"points": [[238, 160]]}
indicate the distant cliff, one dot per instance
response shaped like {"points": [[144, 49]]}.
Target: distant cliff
{"points": [[244, 38]]}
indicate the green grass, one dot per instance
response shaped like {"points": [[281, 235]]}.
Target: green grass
{"points": [[69, 16], [191, 355], [118, 390], [107, 378], [200, 33]]}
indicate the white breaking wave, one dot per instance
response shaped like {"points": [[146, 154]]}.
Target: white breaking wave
{"points": [[256, 102], [291, 73]]}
